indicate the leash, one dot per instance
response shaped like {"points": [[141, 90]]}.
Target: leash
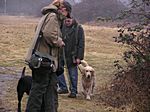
{"points": [[79, 69], [65, 63]]}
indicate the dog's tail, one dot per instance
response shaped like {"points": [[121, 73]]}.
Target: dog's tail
{"points": [[23, 72], [84, 63]]}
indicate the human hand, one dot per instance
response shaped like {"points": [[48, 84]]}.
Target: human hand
{"points": [[78, 61], [62, 44]]}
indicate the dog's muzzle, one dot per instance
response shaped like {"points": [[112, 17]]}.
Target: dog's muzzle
{"points": [[88, 76]]}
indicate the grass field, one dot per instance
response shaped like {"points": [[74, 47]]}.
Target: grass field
{"points": [[100, 52]]}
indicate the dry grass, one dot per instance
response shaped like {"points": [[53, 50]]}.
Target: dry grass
{"points": [[101, 52]]}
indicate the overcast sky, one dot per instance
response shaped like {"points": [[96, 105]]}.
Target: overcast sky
{"points": [[125, 1]]}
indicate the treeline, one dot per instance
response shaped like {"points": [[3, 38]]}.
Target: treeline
{"points": [[89, 10]]}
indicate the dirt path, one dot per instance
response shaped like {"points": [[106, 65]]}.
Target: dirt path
{"points": [[7, 84], [5, 80]]}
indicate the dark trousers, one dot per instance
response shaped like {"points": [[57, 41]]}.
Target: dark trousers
{"points": [[43, 96]]}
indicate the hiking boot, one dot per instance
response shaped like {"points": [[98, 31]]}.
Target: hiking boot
{"points": [[61, 91], [71, 95]]}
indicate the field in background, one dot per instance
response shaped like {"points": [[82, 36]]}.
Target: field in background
{"points": [[100, 52]]}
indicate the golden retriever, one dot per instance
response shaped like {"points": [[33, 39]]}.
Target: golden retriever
{"points": [[88, 79]]}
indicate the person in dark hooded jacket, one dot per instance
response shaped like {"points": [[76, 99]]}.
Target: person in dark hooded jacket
{"points": [[43, 96], [73, 36]]}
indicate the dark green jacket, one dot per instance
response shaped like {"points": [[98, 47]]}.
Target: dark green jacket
{"points": [[74, 39]]}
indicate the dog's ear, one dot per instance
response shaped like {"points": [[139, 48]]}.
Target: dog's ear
{"points": [[81, 69], [93, 72], [82, 72]]}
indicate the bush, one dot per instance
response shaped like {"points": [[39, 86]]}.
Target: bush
{"points": [[134, 79]]}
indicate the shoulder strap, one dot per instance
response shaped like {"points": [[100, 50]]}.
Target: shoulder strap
{"points": [[36, 38], [38, 33]]}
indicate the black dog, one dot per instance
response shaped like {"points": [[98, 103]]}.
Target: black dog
{"points": [[24, 85]]}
